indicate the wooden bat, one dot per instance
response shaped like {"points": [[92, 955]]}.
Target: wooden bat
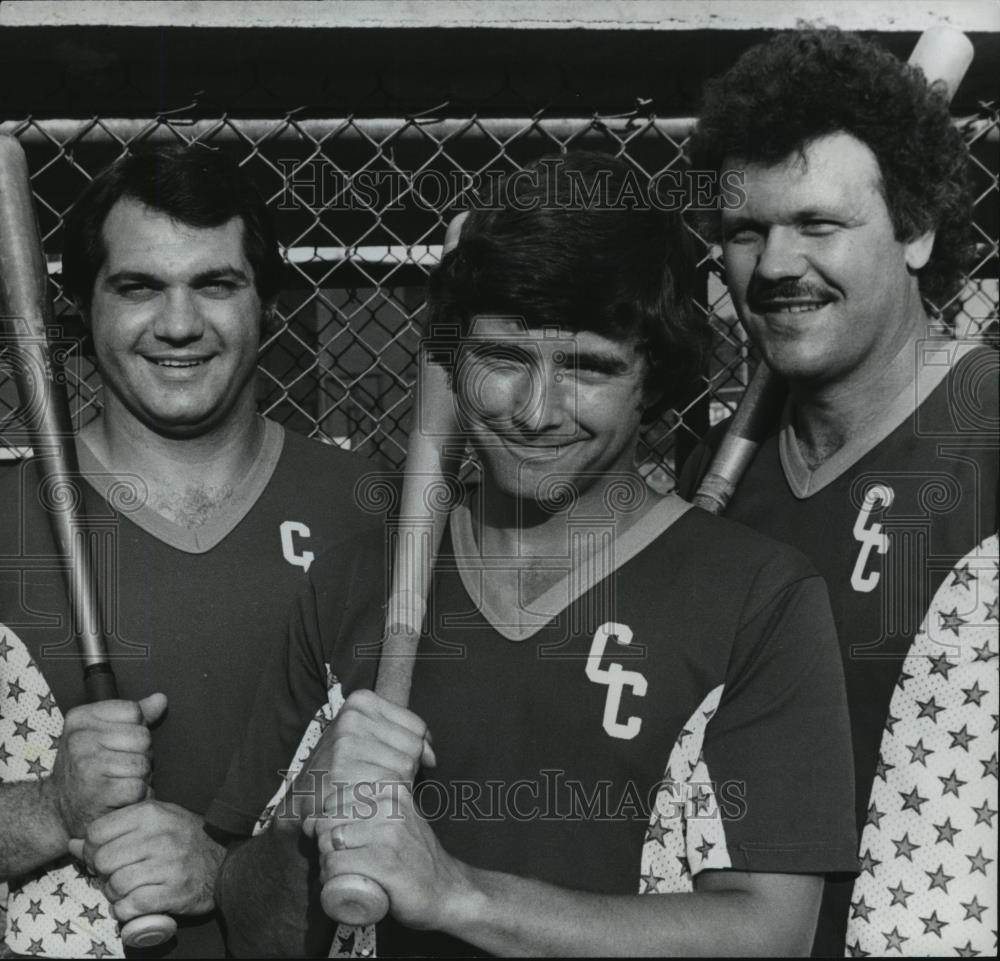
{"points": [[944, 55], [27, 316], [355, 899]]}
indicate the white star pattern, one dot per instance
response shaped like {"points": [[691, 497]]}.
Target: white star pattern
{"points": [[941, 797], [348, 941], [57, 914], [686, 804]]}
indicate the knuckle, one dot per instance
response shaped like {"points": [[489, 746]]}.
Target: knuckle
{"points": [[361, 699], [414, 745], [101, 863], [419, 725], [77, 740], [131, 713], [114, 886], [75, 718], [131, 790], [146, 900], [139, 902]]}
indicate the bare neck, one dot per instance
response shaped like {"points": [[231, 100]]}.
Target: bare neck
{"points": [[174, 467], [512, 528], [827, 415]]}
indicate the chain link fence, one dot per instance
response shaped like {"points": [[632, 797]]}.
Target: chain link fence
{"points": [[361, 206]]}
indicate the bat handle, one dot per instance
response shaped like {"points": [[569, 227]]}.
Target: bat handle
{"points": [[354, 899], [99, 682], [149, 931]]}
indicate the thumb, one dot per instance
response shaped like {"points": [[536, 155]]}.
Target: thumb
{"points": [[153, 708], [76, 848]]}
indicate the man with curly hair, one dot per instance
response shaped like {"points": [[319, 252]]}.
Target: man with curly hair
{"points": [[852, 240]]}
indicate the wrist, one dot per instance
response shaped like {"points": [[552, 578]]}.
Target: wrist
{"points": [[50, 810], [465, 906]]}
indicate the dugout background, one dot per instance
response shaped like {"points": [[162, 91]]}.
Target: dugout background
{"points": [[307, 110]]}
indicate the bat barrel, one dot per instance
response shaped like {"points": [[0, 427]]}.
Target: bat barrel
{"points": [[27, 317], [42, 394], [758, 409]]}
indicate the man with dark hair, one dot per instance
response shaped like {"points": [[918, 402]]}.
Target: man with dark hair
{"points": [[627, 697], [207, 517], [883, 469]]}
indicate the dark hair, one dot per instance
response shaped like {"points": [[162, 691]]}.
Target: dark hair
{"points": [[801, 85], [193, 184], [577, 244]]}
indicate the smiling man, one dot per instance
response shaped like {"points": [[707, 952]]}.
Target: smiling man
{"points": [[207, 517], [883, 469], [636, 710]]}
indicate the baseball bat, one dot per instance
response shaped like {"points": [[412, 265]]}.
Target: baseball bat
{"points": [[943, 53], [27, 315], [354, 898]]}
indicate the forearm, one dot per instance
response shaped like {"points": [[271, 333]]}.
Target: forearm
{"points": [[31, 830], [507, 915], [268, 891]]}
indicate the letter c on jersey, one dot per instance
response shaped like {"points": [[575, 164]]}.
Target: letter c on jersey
{"points": [[870, 537], [288, 531], [616, 678]]}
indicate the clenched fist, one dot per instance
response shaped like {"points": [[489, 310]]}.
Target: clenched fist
{"points": [[103, 760], [153, 857], [371, 744]]}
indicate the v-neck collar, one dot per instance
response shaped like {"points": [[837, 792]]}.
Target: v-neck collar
{"points": [[124, 493], [805, 481], [594, 558]]}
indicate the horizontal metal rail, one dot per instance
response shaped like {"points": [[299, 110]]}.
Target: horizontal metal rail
{"points": [[379, 129], [67, 132], [389, 255]]}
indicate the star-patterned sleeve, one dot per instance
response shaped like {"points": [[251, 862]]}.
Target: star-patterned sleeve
{"points": [[61, 911], [928, 882]]}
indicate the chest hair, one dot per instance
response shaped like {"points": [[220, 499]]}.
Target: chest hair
{"points": [[193, 506]]}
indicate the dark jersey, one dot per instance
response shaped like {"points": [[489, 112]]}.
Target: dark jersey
{"points": [[899, 524], [189, 612], [674, 704]]}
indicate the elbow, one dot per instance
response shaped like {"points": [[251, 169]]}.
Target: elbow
{"points": [[239, 889], [239, 940], [791, 928]]}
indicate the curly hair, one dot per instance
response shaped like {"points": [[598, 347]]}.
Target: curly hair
{"points": [[801, 85], [563, 247]]}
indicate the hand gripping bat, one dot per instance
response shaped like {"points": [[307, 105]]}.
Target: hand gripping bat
{"points": [[944, 55], [355, 899], [26, 317]]}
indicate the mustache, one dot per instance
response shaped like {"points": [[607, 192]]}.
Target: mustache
{"points": [[760, 293]]}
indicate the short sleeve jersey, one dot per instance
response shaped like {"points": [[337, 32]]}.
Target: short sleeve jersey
{"points": [[647, 725], [188, 612], [901, 524]]}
